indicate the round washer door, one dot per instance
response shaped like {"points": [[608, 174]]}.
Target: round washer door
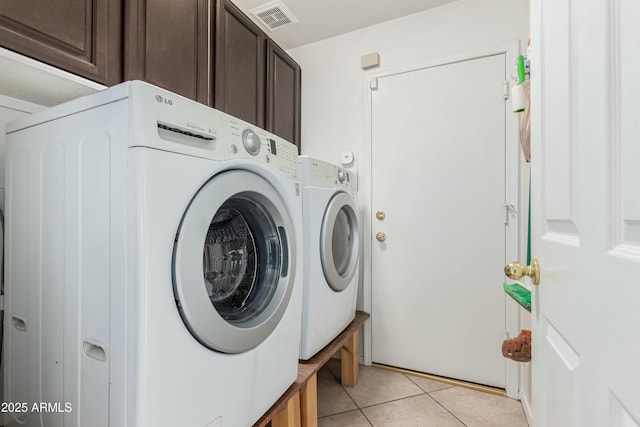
{"points": [[233, 262], [340, 241]]}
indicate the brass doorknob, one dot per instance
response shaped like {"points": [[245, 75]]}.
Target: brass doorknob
{"points": [[516, 271], [380, 236], [380, 215]]}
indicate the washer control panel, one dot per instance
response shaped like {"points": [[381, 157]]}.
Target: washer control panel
{"points": [[318, 173], [247, 141]]}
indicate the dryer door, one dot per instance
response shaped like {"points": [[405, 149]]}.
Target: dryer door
{"points": [[234, 262], [340, 241]]}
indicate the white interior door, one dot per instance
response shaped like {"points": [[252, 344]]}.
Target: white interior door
{"points": [[586, 212], [438, 162]]}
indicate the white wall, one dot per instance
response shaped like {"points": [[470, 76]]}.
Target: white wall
{"points": [[332, 81], [333, 94]]}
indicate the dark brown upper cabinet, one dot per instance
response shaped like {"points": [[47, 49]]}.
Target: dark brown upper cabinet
{"points": [[167, 44], [206, 50], [80, 36], [283, 94], [240, 65]]}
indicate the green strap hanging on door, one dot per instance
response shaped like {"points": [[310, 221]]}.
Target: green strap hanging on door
{"points": [[529, 224]]}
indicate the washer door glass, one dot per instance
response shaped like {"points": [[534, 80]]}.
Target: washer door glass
{"points": [[241, 260], [233, 267], [340, 241]]}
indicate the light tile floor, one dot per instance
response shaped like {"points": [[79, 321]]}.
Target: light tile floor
{"points": [[384, 398]]}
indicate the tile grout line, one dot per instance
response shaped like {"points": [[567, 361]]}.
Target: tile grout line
{"points": [[337, 413], [381, 403], [390, 401], [365, 417], [445, 408], [445, 385], [347, 393], [423, 392], [434, 399], [384, 403], [357, 407], [344, 412]]}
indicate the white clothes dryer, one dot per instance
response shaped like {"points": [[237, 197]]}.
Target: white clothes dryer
{"points": [[154, 267], [331, 252]]}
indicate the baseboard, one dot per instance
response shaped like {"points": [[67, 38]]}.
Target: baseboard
{"points": [[526, 406]]}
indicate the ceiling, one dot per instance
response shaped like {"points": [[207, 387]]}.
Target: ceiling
{"points": [[319, 20]]}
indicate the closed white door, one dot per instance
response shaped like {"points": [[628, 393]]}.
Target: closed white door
{"points": [[438, 162], [586, 212]]}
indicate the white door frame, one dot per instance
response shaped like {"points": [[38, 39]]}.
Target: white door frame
{"points": [[513, 186]]}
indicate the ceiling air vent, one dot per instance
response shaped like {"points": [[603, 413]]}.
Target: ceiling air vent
{"points": [[274, 15]]}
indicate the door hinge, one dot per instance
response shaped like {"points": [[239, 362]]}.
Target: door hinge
{"points": [[373, 83], [509, 210], [506, 89]]}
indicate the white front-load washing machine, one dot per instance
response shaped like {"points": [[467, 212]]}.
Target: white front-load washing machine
{"points": [[154, 267], [331, 252]]}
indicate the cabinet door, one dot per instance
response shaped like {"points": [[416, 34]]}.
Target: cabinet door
{"points": [[240, 65], [283, 94], [81, 36], [167, 44]]}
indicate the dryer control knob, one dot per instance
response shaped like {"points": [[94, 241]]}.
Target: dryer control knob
{"points": [[251, 142], [341, 176]]}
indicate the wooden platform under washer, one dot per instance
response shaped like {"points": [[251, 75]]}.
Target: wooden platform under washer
{"points": [[298, 406]]}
